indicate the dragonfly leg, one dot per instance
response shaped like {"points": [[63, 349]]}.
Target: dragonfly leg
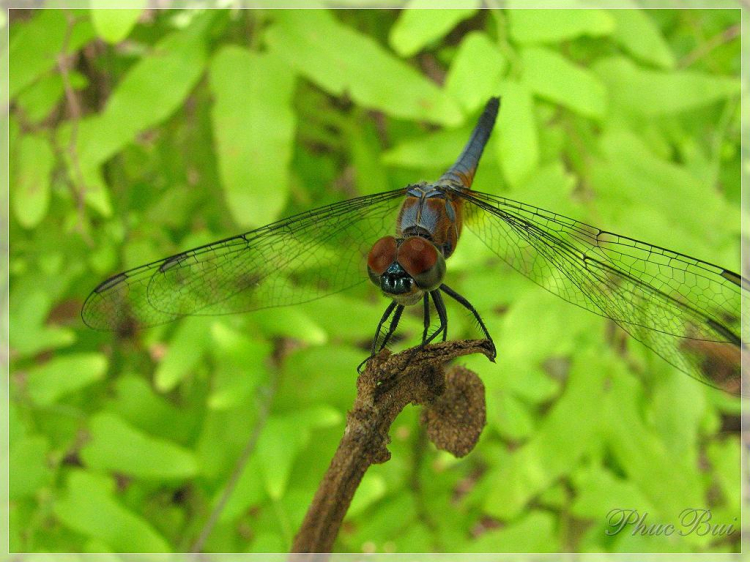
{"points": [[392, 327], [442, 314], [426, 318], [467, 305], [383, 319], [377, 344]]}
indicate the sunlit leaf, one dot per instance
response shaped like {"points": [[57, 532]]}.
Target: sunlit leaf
{"points": [[599, 489], [370, 490], [418, 26], [254, 126], [119, 447], [240, 366], [637, 90], [651, 466], [637, 33], [64, 375], [555, 78], [185, 350], [31, 180], [29, 465], [534, 532], [88, 507], [563, 436], [518, 139], [137, 404], [433, 150], [311, 42], [40, 99], [474, 74], [547, 26], [114, 25], [28, 313], [278, 446]]}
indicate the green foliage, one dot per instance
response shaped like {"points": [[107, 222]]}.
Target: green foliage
{"points": [[190, 126]]}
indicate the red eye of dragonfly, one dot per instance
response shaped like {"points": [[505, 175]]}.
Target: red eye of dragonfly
{"points": [[382, 255], [422, 260]]}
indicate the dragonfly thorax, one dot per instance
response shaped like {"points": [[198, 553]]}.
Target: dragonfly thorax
{"points": [[405, 268]]}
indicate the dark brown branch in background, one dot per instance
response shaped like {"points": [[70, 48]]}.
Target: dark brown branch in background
{"points": [[78, 186], [454, 417], [714, 42]]}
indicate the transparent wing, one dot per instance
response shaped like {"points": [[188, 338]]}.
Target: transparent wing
{"points": [[295, 260], [686, 310]]}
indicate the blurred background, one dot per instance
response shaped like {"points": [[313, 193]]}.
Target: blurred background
{"points": [[135, 134]]}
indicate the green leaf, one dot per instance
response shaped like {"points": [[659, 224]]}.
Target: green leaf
{"points": [[534, 532], [429, 151], [650, 93], [240, 366], [137, 404], [316, 417], [642, 456], [278, 446], [654, 199], [254, 125], [248, 490], [31, 179], [516, 129], [39, 99], [418, 26], [548, 26], [89, 508], [510, 417], [553, 77], [114, 25], [30, 332], [28, 466], [38, 42], [725, 458], [119, 447], [371, 176], [370, 490], [550, 187], [637, 33], [282, 440], [64, 375], [185, 350], [475, 72], [149, 93], [341, 60], [562, 438], [599, 491], [290, 322]]}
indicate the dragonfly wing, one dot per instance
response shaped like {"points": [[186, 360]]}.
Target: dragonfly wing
{"points": [[295, 260], [686, 310]]}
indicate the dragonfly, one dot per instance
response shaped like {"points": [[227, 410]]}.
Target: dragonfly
{"points": [[684, 309]]}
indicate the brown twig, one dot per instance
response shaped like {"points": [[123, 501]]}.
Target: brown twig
{"points": [[387, 385]]}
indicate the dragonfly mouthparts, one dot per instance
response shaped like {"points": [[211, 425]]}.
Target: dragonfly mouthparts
{"points": [[395, 280]]}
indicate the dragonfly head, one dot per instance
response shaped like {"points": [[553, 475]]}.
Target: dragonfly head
{"points": [[405, 268]]}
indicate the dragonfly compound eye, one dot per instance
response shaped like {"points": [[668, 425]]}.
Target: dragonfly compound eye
{"points": [[382, 255], [422, 260]]}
